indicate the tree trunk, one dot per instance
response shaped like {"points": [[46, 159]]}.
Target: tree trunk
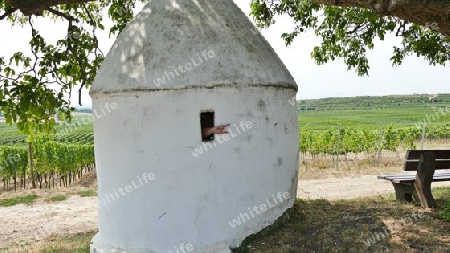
{"points": [[30, 156], [433, 13]]}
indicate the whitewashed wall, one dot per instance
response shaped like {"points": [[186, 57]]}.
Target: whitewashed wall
{"points": [[192, 199], [190, 202]]}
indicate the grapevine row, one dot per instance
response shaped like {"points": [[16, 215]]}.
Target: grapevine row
{"points": [[342, 140], [53, 162]]}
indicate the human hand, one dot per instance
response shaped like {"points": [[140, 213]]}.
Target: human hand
{"points": [[220, 129]]}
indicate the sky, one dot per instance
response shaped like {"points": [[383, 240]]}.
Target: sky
{"points": [[333, 79]]}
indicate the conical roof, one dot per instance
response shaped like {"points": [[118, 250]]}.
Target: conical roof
{"points": [[190, 43]]}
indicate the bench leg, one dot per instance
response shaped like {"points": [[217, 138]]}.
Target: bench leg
{"points": [[424, 178], [405, 192]]}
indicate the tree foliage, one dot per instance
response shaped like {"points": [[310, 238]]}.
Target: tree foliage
{"points": [[348, 33], [35, 85]]}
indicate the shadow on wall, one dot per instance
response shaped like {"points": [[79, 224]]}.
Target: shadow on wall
{"points": [[140, 62]]}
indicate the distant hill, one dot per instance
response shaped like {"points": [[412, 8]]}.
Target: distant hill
{"points": [[375, 102]]}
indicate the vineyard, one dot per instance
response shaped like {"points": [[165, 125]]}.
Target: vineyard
{"points": [[347, 140], [370, 125], [58, 160], [10, 136]]}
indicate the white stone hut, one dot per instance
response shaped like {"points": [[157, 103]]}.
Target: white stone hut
{"points": [[182, 65]]}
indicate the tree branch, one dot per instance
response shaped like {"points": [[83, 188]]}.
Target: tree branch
{"points": [[355, 29], [432, 13], [28, 7], [401, 29], [7, 13], [61, 14]]}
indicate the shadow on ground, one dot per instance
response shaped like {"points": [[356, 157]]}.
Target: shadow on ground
{"points": [[378, 224]]}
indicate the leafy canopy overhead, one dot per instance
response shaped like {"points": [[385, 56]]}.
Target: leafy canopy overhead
{"points": [[35, 84], [349, 32]]}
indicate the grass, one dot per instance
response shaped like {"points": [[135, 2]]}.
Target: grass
{"points": [[347, 225], [58, 198], [372, 112], [369, 119], [28, 199], [446, 212], [87, 193], [76, 243]]}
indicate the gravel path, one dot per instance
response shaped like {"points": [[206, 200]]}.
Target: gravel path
{"points": [[347, 187]]}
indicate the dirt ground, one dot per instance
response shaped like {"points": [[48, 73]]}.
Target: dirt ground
{"points": [[23, 225], [347, 187], [26, 224]]}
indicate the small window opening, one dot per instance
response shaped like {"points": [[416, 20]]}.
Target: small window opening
{"points": [[207, 121]]}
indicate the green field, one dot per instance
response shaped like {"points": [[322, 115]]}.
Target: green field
{"points": [[78, 131], [375, 102], [373, 119], [374, 112], [10, 135]]}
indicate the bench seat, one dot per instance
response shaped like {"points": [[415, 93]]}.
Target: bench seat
{"points": [[401, 179], [418, 187]]}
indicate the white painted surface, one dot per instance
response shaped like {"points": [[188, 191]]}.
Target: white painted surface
{"points": [[154, 129], [167, 34]]}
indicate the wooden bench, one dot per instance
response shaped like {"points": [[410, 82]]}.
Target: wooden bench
{"points": [[418, 187]]}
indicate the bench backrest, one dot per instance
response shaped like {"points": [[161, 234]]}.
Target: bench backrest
{"points": [[412, 159]]}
